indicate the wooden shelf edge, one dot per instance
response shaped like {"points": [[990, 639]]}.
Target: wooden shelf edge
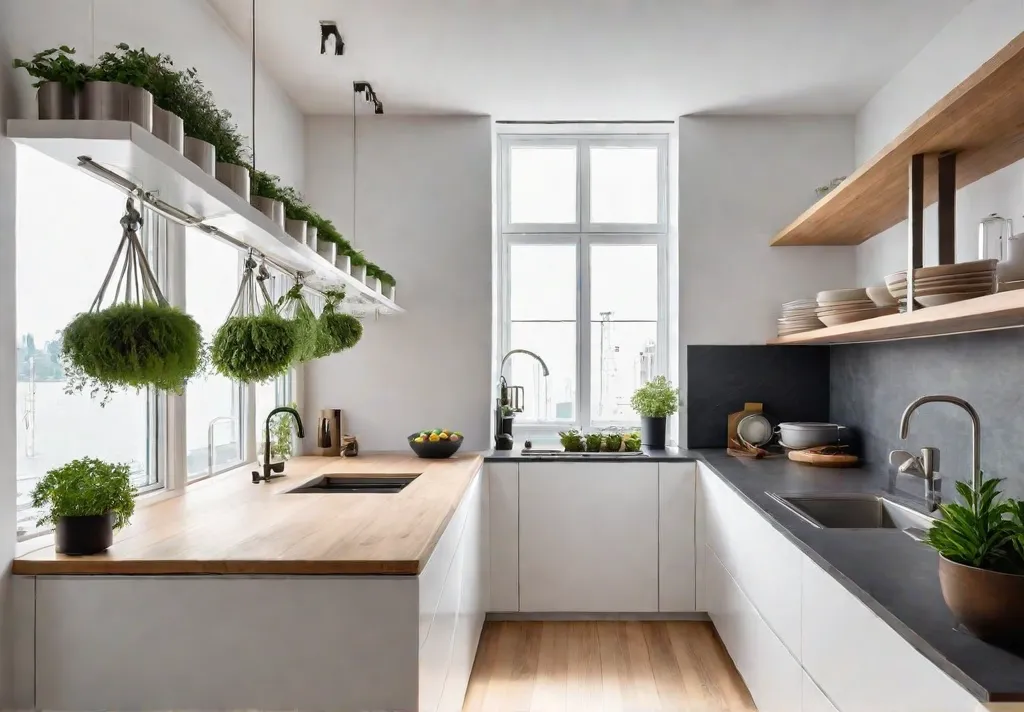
{"points": [[63, 140], [995, 311]]}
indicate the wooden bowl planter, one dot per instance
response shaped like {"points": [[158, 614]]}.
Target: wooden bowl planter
{"points": [[989, 604]]}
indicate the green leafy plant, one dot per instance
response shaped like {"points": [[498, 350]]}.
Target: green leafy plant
{"points": [[338, 332], [572, 440], [132, 66], [256, 348], [507, 412], [631, 442], [131, 346], [656, 398], [613, 442], [982, 532], [594, 441], [84, 488], [55, 65], [307, 328], [282, 429]]}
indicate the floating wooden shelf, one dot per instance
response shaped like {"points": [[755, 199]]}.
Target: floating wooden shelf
{"points": [[982, 119], [136, 154], [995, 311]]}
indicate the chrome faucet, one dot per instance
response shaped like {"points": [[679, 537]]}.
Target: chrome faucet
{"points": [[270, 468], [543, 365], [926, 465]]}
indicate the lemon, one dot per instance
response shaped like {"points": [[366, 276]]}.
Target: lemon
{"points": [[434, 437], [419, 439], [443, 436]]}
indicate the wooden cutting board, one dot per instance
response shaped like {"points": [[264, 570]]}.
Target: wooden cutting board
{"points": [[817, 459]]}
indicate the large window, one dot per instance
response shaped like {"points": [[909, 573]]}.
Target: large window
{"points": [[583, 255], [62, 255]]}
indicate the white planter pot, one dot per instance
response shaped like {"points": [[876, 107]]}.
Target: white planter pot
{"points": [[201, 153], [311, 237], [327, 250], [169, 128], [117, 102], [234, 177], [343, 262], [388, 290], [273, 209], [359, 272], [297, 229]]}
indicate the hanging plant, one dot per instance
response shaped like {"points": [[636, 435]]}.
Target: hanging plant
{"points": [[293, 306], [255, 343], [338, 332], [137, 341]]}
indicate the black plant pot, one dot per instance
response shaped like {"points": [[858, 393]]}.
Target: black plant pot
{"points": [[81, 536], [652, 432]]}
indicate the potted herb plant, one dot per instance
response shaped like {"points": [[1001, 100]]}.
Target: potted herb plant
{"points": [[60, 79], [655, 401], [86, 500], [571, 441], [594, 442], [613, 442], [981, 562], [631, 442], [116, 88]]}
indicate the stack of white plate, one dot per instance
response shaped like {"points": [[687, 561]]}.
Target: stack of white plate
{"points": [[843, 306], [945, 284], [799, 315]]}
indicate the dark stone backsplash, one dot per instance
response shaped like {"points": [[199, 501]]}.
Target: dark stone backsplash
{"points": [[871, 384]]}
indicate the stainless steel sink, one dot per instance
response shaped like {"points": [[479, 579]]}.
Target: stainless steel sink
{"points": [[380, 484], [853, 511]]}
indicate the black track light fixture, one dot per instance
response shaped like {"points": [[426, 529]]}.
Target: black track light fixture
{"points": [[328, 31], [369, 95]]}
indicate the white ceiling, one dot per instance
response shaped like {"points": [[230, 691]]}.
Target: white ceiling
{"points": [[591, 59]]}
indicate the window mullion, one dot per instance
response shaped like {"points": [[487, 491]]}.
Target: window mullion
{"points": [[583, 356], [175, 447]]}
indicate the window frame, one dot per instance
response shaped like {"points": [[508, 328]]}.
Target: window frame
{"points": [[584, 235]]}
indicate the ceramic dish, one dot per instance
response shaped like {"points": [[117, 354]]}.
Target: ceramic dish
{"points": [[977, 291], [945, 270], [840, 319], [880, 296], [842, 295], [804, 435], [937, 300], [1011, 285], [754, 430]]}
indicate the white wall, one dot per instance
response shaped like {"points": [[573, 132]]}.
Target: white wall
{"points": [[424, 214], [192, 34], [978, 32], [741, 179]]}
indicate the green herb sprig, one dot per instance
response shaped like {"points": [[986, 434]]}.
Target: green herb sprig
{"points": [[84, 488]]}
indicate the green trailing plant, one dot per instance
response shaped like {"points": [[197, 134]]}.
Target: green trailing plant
{"points": [[55, 65], [131, 346], [983, 532], [293, 305], [656, 398], [572, 441], [594, 442], [254, 348], [338, 332], [282, 429], [613, 442], [84, 488]]}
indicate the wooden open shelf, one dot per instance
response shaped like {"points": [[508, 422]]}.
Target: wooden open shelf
{"points": [[982, 119], [995, 311]]}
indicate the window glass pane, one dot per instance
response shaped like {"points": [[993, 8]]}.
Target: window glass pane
{"points": [[543, 184], [211, 281], [550, 398], [623, 184], [543, 282], [62, 257], [624, 282], [622, 357]]}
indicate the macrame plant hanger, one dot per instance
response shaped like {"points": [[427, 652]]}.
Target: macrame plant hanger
{"points": [[252, 297], [136, 282]]}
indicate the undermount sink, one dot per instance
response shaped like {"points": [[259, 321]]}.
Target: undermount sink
{"points": [[378, 484], [853, 511]]}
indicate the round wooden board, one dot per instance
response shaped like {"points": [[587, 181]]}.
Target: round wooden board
{"points": [[819, 460]]}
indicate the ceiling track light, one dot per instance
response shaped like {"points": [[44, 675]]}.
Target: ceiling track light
{"points": [[369, 95], [328, 30]]}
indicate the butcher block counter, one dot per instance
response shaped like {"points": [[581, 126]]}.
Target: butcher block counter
{"points": [[228, 525]]}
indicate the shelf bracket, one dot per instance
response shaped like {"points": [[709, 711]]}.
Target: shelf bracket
{"points": [[947, 208], [915, 223]]}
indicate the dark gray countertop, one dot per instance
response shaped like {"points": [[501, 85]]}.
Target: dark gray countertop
{"points": [[895, 576]]}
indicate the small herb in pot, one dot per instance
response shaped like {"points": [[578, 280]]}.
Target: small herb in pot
{"points": [[613, 442], [631, 442], [594, 441], [656, 398], [55, 65], [83, 488], [571, 441]]}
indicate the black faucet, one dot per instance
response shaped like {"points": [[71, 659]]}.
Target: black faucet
{"points": [[270, 468]]}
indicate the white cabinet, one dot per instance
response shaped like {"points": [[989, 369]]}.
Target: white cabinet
{"points": [[503, 480], [862, 663], [677, 589], [814, 698], [773, 676], [588, 537]]}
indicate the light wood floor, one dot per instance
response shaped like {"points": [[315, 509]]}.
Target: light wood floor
{"points": [[612, 666]]}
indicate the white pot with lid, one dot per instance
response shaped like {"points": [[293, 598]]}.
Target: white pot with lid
{"points": [[798, 436]]}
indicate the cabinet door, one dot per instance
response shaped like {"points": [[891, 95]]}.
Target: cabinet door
{"points": [[503, 481], [814, 699], [588, 537], [676, 516]]}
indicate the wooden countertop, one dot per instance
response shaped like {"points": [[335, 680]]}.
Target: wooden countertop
{"points": [[227, 525]]}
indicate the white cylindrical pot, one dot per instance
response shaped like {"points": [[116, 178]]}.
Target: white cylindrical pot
{"points": [[311, 233], [327, 250], [57, 101], [114, 101], [273, 209], [359, 272], [234, 177], [297, 229], [201, 153], [343, 262], [169, 128], [388, 290]]}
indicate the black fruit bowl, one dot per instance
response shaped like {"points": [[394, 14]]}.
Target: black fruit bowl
{"points": [[434, 450]]}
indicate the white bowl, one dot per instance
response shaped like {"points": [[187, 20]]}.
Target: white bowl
{"points": [[804, 435], [842, 295]]}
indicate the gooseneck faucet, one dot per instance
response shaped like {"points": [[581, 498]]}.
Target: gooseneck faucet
{"points": [[928, 453], [270, 468], [543, 365]]}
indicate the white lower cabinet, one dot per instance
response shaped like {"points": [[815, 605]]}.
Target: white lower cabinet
{"points": [[503, 481], [588, 537], [814, 699], [677, 494]]}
